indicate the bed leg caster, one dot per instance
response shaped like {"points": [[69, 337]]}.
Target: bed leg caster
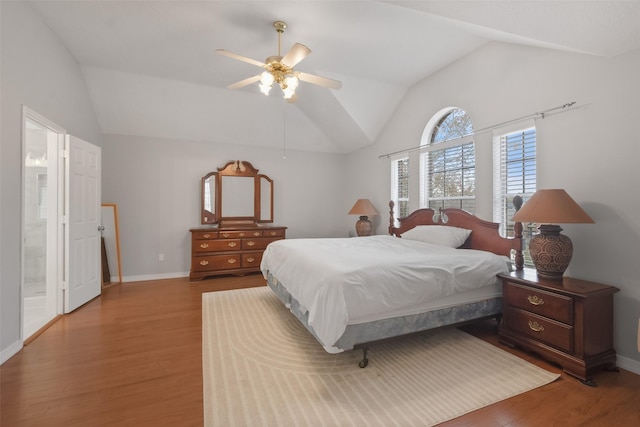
{"points": [[364, 362]]}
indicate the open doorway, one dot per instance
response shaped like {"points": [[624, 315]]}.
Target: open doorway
{"points": [[40, 248], [60, 222]]}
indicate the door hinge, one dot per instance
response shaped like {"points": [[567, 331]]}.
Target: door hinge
{"points": [[64, 219], [64, 154], [64, 285]]}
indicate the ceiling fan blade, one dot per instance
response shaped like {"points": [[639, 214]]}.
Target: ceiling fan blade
{"points": [[320, 81], [245, 82], [296, 54], [240, 58]]}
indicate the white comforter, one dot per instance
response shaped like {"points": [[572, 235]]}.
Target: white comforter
{"points": [[339, 281]]}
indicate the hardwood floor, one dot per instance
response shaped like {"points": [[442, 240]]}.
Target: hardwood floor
{"points": [[132, 357]]}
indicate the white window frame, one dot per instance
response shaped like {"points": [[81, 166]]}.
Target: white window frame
{"points": [[502, 208], [395, 196], [427, 147]]}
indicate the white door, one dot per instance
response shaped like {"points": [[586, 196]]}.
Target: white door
{"points": [[82, 277]]}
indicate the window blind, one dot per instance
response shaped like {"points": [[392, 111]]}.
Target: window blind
{"points": [[515, 161], [400, 186]]}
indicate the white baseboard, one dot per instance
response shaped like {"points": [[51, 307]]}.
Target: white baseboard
{"points": [[145, 277], [10, 351], [628, 364]]}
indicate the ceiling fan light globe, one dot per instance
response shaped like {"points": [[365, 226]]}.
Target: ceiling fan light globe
{"points": [[266, 79], [291, 81], [288, 92], [265, 88]]}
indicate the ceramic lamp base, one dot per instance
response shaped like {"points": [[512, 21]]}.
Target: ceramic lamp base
{"points": [[551, 252], [363, 226]]}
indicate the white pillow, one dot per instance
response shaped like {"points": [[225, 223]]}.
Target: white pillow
{"points": [[452, 237]]}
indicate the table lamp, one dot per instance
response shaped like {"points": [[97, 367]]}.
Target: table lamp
{"points": [[551, 251], [365, 209]]}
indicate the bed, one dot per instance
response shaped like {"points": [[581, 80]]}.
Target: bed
{"points": [[435, 268]]}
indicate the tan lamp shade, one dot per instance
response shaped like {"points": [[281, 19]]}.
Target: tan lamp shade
{"points": [[364, 208], [550, 250], [552, 207]]}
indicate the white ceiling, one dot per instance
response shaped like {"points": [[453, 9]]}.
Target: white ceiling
{"points": [[151, 69]]}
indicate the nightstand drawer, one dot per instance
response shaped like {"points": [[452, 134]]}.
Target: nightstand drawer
{"points": [[544, 330], [553, 306]]}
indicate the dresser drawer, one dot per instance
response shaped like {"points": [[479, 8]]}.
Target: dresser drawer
{"points": [[216, 262], [251, 259], [259, 243], [273, 233], [200, 235], [541, 329], [238, 234], [200, 246], [553, 306]]}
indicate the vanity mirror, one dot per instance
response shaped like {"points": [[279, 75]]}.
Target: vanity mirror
{"points": [[236, 194]]}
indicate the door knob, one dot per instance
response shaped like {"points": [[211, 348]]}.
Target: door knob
{"points": [[101, 228]]}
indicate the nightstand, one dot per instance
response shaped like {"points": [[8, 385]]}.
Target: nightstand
{"points": [[568, 321]]}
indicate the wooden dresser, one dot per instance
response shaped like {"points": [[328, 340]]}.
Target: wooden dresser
{"points": [[216, 251], [568, 321]]}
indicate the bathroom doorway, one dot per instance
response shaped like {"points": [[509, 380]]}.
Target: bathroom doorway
{"points": [[40, 249]]}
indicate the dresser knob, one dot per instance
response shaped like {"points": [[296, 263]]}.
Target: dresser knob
{"points": [[535, 326], [232, 244], [535, 300], [225, 234], [251, 259], [251, 243], [204, 245], [231, 260], [204, 262], [206, 236]]}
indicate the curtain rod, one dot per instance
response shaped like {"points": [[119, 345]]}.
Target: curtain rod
{"points": [[537, 115]]}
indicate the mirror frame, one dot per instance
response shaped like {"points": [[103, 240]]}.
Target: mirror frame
{"points": [[208, 217], [112, 233], [238, 168]]}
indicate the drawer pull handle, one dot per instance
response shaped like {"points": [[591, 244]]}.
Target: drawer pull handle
{"points": [[225, 234], [251, 243], [232, 244], [272, 233], [535, 300], [251, 259], [204, 262], [204, 245], [535, 326], [241, 234], [206, 236], [256, 233], [231, 260]]}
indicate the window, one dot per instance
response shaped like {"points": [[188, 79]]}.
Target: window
{"points": [[448, 165], [400, 186], [515, 175]]}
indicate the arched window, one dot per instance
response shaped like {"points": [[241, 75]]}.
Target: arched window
{"points": [[448, 162]]}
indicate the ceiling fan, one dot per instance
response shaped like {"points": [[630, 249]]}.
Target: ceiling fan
{"points": [[279, 69]]}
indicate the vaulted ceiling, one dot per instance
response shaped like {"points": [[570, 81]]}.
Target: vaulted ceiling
{"points": [[151, 67]]}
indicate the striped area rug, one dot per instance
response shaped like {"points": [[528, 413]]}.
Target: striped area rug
{"points": [[262, 368]]}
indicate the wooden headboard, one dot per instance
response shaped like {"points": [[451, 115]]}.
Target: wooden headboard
{"points": [[484, 234]]}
